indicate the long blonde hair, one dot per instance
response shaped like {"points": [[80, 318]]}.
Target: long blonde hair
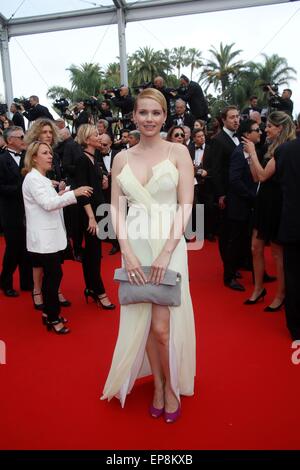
{"points": [[32, 151], [279, 118], [35, 131]]}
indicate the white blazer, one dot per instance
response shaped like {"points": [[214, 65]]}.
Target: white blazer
{"points": [[45, 227]]}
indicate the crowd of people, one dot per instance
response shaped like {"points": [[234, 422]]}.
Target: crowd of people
{"points": [[245, 172]]}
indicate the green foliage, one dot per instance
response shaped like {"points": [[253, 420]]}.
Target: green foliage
{"points": [[232, 80]]}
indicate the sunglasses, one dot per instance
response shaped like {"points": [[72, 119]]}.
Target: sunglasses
{"points": [[18, 136], [178, 134], [256, 130]]}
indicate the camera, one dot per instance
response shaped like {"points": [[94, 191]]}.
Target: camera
{"points": [[92, 103], [61, 104], [24, 102], [3, 108], [143, 86], [273, 86]]}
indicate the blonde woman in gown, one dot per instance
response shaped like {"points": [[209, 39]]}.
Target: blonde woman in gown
{"points": [[156, 178]]}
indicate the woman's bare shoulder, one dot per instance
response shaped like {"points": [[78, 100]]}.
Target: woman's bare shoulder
{"points": [[119, 161]]}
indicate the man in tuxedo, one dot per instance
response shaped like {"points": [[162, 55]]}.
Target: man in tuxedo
{"points": [[12, 213], [191, 92], [17, 117], [222, 146], [81, 116], [288, 172], [253, 100], [37, 110], [106, 158], [203, 190], [240, 201], [181, 117]]}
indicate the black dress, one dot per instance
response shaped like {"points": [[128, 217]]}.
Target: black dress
{"points": [[267, 210], [88, 173]]}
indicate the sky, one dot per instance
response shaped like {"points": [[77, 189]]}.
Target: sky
{"points": [[40, 61]]}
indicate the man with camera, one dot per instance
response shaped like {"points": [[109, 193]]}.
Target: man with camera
{"points": [[192, 93], [80, 116], [280, 103], [121, 98], [36, 110]]}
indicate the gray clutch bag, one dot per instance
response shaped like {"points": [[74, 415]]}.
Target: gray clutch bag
{"points": [[168, 292]]}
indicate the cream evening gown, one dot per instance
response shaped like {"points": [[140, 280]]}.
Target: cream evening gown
{"points": [[151, 211]]}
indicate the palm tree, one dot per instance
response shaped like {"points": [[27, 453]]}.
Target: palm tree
{"points": [[112, 75], [145, 64], [85, 79], [194, 59], [179, 58], [220, 71], [57, 92], [273, 70]]}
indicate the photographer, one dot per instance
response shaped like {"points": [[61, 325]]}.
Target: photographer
{"points": [[80, 116], [36, 111], [121, 98], [192, 93], [280, 103]]}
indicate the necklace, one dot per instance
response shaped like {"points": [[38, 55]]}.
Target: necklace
{"points": [[89, 153]]}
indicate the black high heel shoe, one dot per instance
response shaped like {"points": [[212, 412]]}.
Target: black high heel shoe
{"points": [[37, 306], [51, 327], [63, 303], [89, 293], [45, 317], [274, 309], [260, 296]]}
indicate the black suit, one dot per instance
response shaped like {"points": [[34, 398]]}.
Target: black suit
{"points": [[18, 120], [180, 120], [194, 96], [107, 192], [240, 200], [222, 146], [90, 174], [38, 111], [288, 172], [13, 223], [203, 190], [72, 152]]}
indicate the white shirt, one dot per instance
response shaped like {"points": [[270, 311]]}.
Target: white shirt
{"points": [[230, 133], [199, 155], [16, 158], [107, 162]]}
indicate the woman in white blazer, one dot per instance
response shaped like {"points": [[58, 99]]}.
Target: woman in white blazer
{"points": [[45, 229]]}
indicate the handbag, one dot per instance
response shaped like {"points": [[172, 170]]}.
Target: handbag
{"points": [[168, 292]]}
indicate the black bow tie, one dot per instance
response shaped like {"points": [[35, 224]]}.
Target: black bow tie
{"points": [[199, 147], [105, 154], [234, 135], [15, 153]]}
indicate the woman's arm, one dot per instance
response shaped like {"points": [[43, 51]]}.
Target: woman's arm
{"points": [[185, 196], [262, 174]]}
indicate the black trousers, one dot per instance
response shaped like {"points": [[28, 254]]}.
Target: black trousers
{"points": [[15, 255], [74, 227], [291, 259], [52, 275], [91, 263], [238, 241]]}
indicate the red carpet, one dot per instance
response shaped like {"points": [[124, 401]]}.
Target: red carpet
{"points": [[246, 394]]}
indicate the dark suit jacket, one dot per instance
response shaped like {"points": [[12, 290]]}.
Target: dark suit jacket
{"points": [[188, 120], [83, 118], [18, 120], [288, 173], [72, 151], [107, 192], [221, 147], [89, 174], [11, 199], [194, 96], [206, 161], [38, 111], [242, 189]]}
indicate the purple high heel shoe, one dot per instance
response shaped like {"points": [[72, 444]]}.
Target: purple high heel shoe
{"points": [[172, 417], [156, 412]]}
